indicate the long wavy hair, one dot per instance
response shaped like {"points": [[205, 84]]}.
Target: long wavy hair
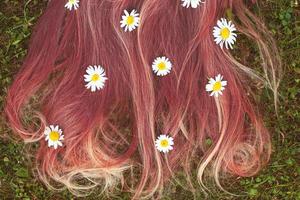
{"points": [[110, 133]]}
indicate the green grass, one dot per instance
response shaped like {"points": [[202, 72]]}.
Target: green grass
{"points": [[279, 180]]}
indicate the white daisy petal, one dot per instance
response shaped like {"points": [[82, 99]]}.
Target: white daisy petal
{"points": [[95, 78], [164, 143], [130, 21], [126, 13], [59, 143], [192, 3], [72, 4], [222, 44], [161, 66], [90, 70], [209, 87], [47, 130], [226, 45], [54, 136], [224, 33], [216, 86]]}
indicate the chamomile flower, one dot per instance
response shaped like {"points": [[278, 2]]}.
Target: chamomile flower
{"points": [[72, 4], [224, 33], [161, 66], [216, 86], [130, 21], [95, 78], [54, 136], [192, 3], [164, 143]]}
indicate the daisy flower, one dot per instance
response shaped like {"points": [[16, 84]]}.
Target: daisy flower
{"points": [[71, 4], [54, 136], [224, 33], [130, 21], [161, 66], [164, 143], [95, 78], [192, 3], [216, 86]]}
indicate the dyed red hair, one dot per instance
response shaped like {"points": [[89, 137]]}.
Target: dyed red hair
{"points": [[109, 131]]}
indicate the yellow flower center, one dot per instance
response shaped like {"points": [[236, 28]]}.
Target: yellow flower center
{"points": [[164, 143], [54, 136], [95, 77], [225, 33], [72, 1], [162, 66], [217, 86], [130, 20]]}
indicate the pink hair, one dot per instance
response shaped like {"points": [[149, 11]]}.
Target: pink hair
{"points": [[109, 131]]}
